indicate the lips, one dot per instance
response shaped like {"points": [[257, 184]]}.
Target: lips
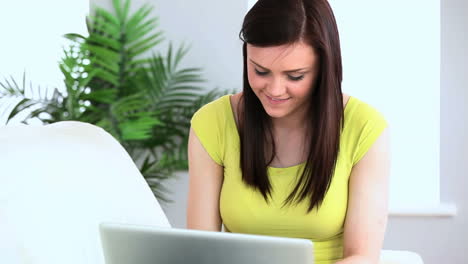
{"points": [[276, 100]]}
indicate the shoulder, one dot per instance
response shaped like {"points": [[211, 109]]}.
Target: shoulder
{"points": [[213, 114], [212, 108], [209, 125], [359, 112], [363, 124]]}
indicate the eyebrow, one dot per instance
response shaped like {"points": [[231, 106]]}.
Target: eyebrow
{"points": [[295, 70]]}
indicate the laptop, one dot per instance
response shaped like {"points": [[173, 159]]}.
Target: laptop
{"points": [[134, 244]]}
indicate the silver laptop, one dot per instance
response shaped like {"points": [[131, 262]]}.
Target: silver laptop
{"points": [[132, 244]]}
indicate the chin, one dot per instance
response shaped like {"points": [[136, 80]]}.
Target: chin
{"points": [[275, 113]]}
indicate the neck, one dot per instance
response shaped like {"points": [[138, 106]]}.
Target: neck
{"points": [[293, 122]]}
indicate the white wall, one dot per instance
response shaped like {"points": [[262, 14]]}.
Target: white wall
{"points": [[213, 34], [394, 65], [32, 41], [445, 240]]}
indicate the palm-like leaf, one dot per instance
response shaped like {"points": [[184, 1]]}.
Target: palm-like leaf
{"points": [[24, 100], [135, 118], [115, 41]]}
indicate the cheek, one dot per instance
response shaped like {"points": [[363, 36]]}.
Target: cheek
{"points": [[300, 89]]}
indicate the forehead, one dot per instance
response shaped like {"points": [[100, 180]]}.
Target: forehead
{"points": [[281, 57]]}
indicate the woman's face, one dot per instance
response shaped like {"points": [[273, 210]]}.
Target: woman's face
{"points": [[282, 77]]}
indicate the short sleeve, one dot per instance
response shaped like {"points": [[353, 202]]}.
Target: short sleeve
{"points": [[368, 126], [207, 123]]}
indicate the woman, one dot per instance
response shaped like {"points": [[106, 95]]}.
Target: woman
{"points": [[291, 155]]}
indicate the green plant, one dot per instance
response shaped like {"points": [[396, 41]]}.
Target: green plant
{"points": [[144, 102]]}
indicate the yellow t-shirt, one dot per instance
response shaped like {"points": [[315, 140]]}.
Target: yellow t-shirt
{"points": [[244, 210]]}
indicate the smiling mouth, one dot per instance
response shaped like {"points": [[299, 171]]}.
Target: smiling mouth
{"points": [[277, 99]]}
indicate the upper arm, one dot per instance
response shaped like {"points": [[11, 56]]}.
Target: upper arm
{"points": [[206, 177], [367, 212]]}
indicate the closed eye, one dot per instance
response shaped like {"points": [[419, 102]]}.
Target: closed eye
{"points": [[290, 77], [295, 78], [261, 73]]}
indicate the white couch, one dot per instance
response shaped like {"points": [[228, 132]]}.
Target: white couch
{"points": [[58, 182]]}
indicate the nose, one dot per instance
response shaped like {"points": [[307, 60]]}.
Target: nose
{"points": [[276, 88]]}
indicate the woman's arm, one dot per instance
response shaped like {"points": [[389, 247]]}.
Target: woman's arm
{"points": [[206, 178], [366, 217]]}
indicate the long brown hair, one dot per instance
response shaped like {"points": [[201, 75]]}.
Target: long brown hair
{"points": [[278, 22]]}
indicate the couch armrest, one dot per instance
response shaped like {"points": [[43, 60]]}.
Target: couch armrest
{"points": [[399, 257]]}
